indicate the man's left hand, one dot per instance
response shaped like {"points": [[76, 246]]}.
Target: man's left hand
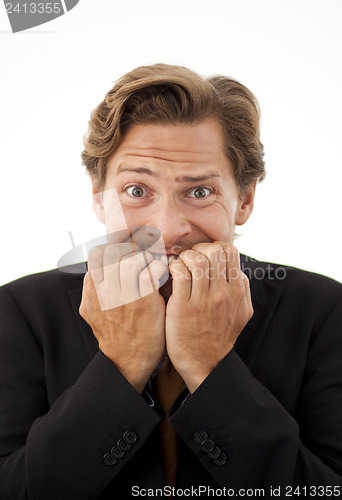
{"points": [[209, 306]]}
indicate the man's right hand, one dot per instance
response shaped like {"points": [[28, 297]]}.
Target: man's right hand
{"points": [[125, 311]]}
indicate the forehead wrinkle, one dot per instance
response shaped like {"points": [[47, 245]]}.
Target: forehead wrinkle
{"points": [[137, 170], [180, 178], [183, 159], [170, 155], [137, 149]]}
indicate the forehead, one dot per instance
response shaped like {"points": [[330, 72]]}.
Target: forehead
{"points": [[180, 146], [205, 136]]}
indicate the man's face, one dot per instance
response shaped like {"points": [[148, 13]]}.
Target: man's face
{"points": [[177, 179]]}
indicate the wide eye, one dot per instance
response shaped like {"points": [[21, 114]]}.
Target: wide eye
{"points": [[200, 192], [136, 191]]}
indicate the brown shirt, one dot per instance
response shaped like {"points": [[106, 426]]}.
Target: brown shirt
{"points": [[167, 386]]}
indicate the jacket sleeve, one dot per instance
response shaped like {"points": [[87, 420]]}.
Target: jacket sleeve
{"points": [[62, 452], [262, 444]]}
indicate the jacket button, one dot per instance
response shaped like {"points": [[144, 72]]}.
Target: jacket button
{"points": [[123, 445], [208, 445], [221, 460], [116, 452], [109, 459], [130, 437], [200, 437], [214, 453]]}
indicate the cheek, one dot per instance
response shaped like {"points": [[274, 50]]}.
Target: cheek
{"points": [[118, 216], [216, 223], [218, 230], [114, 215], [135, 217]]}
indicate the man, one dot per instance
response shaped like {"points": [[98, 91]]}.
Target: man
{"points": [[126, 381]]}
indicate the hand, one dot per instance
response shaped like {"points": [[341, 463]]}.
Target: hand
{"points": [[125, 311], [209, 306]]}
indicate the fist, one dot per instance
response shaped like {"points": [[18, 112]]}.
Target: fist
{"points": [[122, 304], [209, 306]]}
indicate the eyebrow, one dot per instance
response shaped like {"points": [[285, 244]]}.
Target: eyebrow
{"points": [[183, 178]]}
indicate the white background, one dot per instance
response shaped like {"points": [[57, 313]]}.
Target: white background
{"points": [[288, 52]]}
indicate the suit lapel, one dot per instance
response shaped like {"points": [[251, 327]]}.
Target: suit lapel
{"points": [[265, 297], [89, 338]]}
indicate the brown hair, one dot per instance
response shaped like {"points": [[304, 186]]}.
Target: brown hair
{"points": [[173, 94]]}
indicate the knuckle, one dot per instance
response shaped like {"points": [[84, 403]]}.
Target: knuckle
{"points": [[234, 275], [148, 256], [95, 253], [177, 268], [244, 277], [87, 280], [201, 261], [128, 260], [111, 254], [137, 260], [251, 311], [201, 246], [181, 274], [157, 265], [222, 296], [176, 264], [216, 254], [240, 290], [233, 252], [187, 254], [144, 278], [83, 310], [214, 249], [184, 276]]}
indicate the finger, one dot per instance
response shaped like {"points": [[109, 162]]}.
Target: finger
{"points": [[113, 253], [130, 269], [216, 256], [95, 264], [89, 292], [247, 293], [198, 265], [111, 259], [181, 280], [150, 276], [140, 237]]}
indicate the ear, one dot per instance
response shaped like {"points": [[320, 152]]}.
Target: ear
{"points": [[245, 204], [98, 202]]}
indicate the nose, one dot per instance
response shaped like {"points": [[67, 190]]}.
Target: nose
{"points": [[172, 222]]}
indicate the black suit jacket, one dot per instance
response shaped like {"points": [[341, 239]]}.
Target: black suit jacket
{"points": [[273, 405]]}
